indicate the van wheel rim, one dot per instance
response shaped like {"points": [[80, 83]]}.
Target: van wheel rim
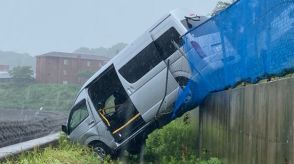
{"points": [[100, 151]]}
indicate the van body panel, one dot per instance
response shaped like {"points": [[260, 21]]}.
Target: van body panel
{"points": [[95, 115], [165, 109], [146, 94], [78, 133], [103, 136], [133, 87], [180, 68], [131, 50], [153, 92], [175, 64]]}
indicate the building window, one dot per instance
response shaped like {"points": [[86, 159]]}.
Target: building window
{"points": [[64, 72], [88, 63], [65, 62]]}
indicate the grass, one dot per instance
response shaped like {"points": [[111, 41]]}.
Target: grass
{"points": [[174, 143], [65, 152], [34, 96]]}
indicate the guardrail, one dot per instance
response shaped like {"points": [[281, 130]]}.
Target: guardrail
{"points": [[19, 148]]}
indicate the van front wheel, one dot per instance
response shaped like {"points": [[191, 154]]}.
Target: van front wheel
{"points": [[102, 150]]}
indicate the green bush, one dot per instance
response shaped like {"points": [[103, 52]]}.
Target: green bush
{"points": [[176, 139], [176, 143]]}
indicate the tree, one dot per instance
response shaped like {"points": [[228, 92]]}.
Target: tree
{"points": [[220, 6], [22, 74], [102, 51], [85, 74]]}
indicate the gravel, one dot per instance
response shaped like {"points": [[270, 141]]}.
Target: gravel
{"points": [[22, 125]]}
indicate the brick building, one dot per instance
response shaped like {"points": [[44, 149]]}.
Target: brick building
{"points": [[4, 68], [66, 68]]}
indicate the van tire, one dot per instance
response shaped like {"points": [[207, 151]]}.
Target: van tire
{"points": [[102, 150], [182, 81]]}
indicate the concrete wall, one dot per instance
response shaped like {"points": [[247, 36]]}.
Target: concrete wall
{"points": [[251, 124]]}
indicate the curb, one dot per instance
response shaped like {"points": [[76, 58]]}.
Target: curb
{"points": [[17, 149]]}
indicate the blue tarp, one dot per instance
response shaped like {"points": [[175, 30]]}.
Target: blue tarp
{"points": [[250, 40]]}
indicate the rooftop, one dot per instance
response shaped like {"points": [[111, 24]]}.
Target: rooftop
{"points": [[75, 55], [4, 75]]}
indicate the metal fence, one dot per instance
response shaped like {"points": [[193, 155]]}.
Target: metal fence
{"points": [[252, 124], [250, 40]]}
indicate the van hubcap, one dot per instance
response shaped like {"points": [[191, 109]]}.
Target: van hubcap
{"points": [[100, 151]]}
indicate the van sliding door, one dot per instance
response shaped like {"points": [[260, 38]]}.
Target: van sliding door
{"points": [[114, 106], [163, 36], [144, 76]]}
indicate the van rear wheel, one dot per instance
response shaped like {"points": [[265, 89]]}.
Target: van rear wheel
{"points": [[188, 103], [182, 81]]}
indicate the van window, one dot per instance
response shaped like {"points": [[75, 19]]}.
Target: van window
{"points": [[164, 42], [78, 115], [141, 64]]}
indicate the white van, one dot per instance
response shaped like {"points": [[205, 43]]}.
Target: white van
{"points": [[134, 92]]}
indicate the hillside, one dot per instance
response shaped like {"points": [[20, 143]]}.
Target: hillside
{"points": [[49, 97], [17, 59], [102, 51]]}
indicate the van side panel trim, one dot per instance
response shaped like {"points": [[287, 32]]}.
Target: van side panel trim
{"points": [[127, 123]]}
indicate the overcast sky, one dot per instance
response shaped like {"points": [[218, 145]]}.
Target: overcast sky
{"points": [[40, 26]]}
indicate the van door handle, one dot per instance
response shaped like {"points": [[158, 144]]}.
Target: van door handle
{"points": [[92, 122]]}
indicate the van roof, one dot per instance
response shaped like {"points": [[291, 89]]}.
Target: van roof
{"points": [[178, 13]]}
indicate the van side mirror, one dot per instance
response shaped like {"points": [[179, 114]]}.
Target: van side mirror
{"points": [[64, 129]]}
